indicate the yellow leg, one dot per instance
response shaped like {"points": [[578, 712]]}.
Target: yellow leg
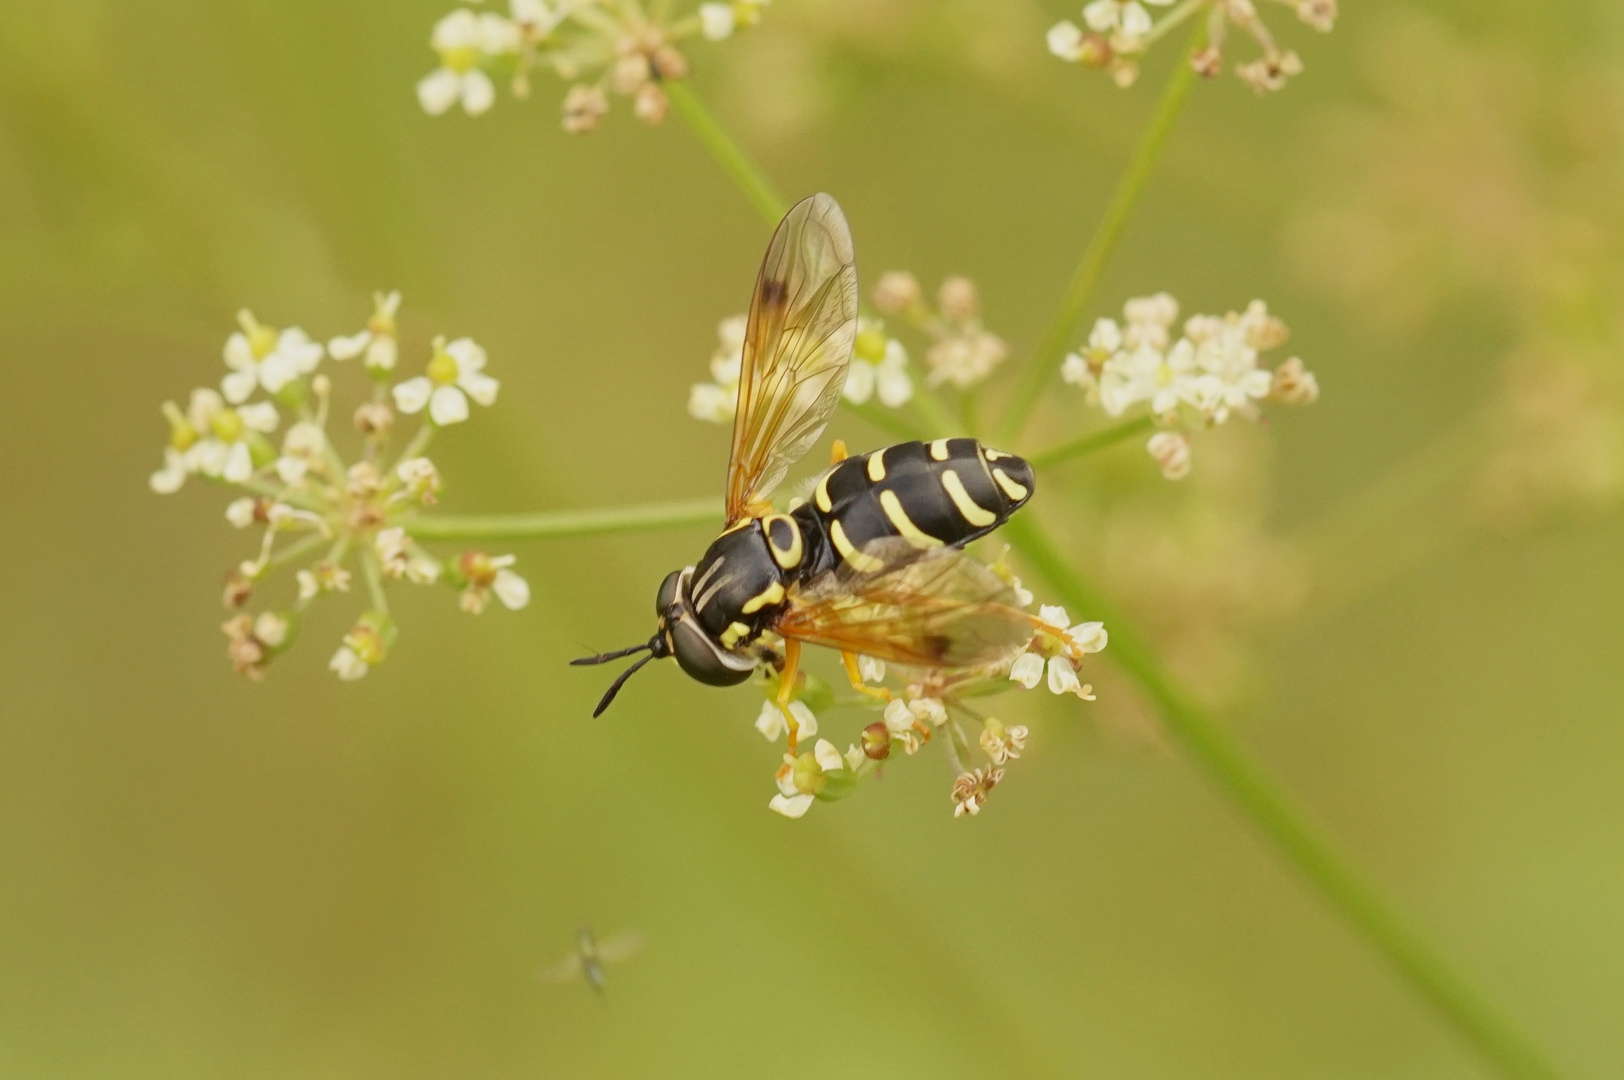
{"points": [[855, 674], [837, 452], [786, 690]]}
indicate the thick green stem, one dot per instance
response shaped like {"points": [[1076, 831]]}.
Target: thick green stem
{"points": [[1045, 359], [750, 179], [1266, 803], [1094, 440], [551, 524]]}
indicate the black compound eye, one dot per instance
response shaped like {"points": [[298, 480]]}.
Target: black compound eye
{"points": [[668, 592], [698, 657]]}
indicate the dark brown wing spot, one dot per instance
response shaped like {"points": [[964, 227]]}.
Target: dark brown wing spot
{"points": [[774, 293]]}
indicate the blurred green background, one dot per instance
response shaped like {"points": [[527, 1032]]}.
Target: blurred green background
{"points": [[1405, 599]]}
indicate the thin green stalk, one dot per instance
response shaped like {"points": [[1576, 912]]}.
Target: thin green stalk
{"points": [[374, 578], [1269, 807], [552, 524], [1094, 440], [750, 179], [1045, 359]]}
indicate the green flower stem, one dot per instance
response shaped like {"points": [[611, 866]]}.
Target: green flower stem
{"points": [[755, 186], [552, 524], [1266, 803], [295, 550], [1045, 359], [1094, 440], [373, 572]]}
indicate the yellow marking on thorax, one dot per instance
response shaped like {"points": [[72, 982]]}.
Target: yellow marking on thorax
{"points": [[859, 561], [773, 594], [969, 509], [1011, 488], [903, 524], [938, 450], [737, 525], [732, 635], [821, 495], [786, 558], [876, 466], [994, 455]]}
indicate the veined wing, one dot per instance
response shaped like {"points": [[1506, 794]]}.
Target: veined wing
{"points": [[797, 345], [938, 608], [565, 970], [621, 945]]}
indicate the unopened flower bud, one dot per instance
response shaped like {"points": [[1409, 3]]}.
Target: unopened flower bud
{"points": [[1094, 50], [650, 103], [374, 418], [629, 72], [273, 629], [239, 587], [876, 741], [958, 299], [1208, 62], [1293, 384], [584, 106], [897, 291], [668, 63], [1171, 452]]}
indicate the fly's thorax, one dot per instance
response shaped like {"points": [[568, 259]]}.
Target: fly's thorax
{"points": [[943, 493], [739, 586]]}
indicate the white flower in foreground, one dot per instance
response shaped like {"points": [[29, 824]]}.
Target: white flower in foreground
{"points": [[1112, 16], [463, 41], [456, 373], [261, 357], [791, 806], [1146, 374], [871, 670], [377, 341], [770, 722], [488, 574], [1056, 652], [716, 21], [223, 451]]}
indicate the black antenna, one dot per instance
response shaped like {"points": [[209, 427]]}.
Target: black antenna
{"points": [[604, 658], [620, 680]]}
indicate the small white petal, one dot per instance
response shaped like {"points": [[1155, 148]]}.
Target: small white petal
{"points": [[240, 512], [804, 718], [1089, 637], [870, 669], [448, 405], [1066, 41], [238, 385], [898, 717], [276, 371], [478, 92], [770, 722], [792, 806], [239, 466], [411, 395], [437, 91], [308, 586], [1027, 669], [1135, 19], [1101, 15], [859, 382], [894, 384], [348, 348], [239, 355], [829, 757], [1062, 676], [260, 416], [716, 21], [168, 480], [511, 589], [382, 353], [1054, 615], [481, 387], [291, 470], [468, 353], [346, 665], [711, 403]]}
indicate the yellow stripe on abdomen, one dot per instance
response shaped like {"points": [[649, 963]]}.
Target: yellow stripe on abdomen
{"points": [[857, 560], [904, 524], [968, 508]]}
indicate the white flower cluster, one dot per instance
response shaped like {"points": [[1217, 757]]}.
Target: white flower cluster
{"points": [[1208, 374], [925, 707], [878, 371], [962, 351], [630, 48], [1116, 33], [316, 509]]}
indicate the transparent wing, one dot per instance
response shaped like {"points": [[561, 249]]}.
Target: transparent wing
{"points": [[565, 970], [621, 945], [940, 608], [797, 344]]}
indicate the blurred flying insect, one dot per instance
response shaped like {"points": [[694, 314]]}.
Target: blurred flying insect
{"points": [[872, 564], [590, 954]]}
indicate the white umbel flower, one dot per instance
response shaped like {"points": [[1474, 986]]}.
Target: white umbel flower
{"points": [[456, 373], [770, 721], [263, 358], [377, 341], [464, 40]]}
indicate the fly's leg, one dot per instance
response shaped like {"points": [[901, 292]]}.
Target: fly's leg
{"points": [[786, 690], [855, 674]]}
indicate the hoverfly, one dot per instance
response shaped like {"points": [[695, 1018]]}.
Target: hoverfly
{"points": [[589, 955], [873, 563]]}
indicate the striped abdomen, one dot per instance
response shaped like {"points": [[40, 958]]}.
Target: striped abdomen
{"points": [[942, 493]]}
